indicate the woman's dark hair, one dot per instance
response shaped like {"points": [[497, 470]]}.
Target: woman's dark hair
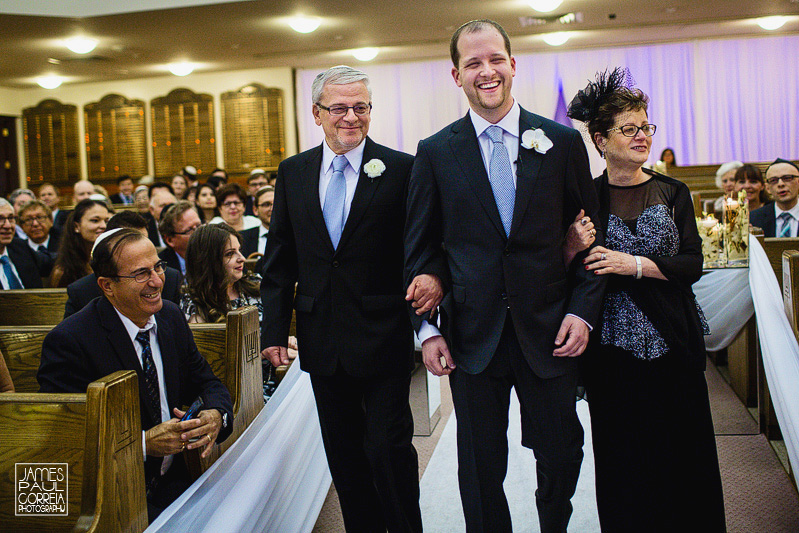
{"points": [[752, 173], [206, 277], [674, 157], [230, 189], [197, 198], [73, 252], [603, 100]]}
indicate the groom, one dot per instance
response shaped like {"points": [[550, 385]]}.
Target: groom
{"points": [[490, 200]]}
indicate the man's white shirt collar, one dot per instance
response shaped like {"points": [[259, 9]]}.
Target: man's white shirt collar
{"points": [[133, 329], [509, 123], [354, 157]]}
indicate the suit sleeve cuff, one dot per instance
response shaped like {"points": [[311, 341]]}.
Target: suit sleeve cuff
{"points": [[590, 327], [427, 331]]}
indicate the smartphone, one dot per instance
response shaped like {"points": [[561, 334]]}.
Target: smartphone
{"points": [[192, 411]]}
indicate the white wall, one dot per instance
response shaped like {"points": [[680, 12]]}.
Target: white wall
{"points": [[13, 101]]}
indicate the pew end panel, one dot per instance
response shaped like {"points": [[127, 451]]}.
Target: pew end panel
{"points": [[22, 349], [98, 435], [42, 307]]}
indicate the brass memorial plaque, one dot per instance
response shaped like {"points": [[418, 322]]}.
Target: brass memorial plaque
{"points": [[115, 141], [50, 133], [253, 127], [183, 132]]}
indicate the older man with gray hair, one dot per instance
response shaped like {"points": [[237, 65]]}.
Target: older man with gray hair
{"points": [[337, 233]]}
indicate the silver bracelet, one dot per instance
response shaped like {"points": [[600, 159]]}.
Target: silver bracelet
{"points": [[639, 271]]}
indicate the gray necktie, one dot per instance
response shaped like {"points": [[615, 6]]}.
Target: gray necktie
{"points": [[500, 174], [333, 210]]}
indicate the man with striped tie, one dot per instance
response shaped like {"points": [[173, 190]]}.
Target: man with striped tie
{"points": [[780, 219], [19, 265]]}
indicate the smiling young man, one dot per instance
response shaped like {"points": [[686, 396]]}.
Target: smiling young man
{"points": [[132, 328], [780, 219], [490, 200], [336, 232]]}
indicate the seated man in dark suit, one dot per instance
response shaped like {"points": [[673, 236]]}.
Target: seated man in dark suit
{"points": [[125, 194], [19, 265], [780, 218], [36, 221], [177, 224], [255, 181], [161, 195], [132, 328], [83, 291]]}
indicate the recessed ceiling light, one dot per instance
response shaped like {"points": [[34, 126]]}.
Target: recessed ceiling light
{"points": [[181, 69], [545, 6], [49, 82], [81, 45], [365, 54], [303, 24], [772, 23], [556, 39]]}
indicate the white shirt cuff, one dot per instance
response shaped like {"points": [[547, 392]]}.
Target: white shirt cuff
{"points": [[590, 328], [427, 331]]}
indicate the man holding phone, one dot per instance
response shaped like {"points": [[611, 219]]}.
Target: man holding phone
{"points": [[131, 328]]}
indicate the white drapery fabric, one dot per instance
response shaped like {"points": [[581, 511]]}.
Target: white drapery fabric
{"points": [[726, 300], [713, 101], [779, 346], [273, 479]]}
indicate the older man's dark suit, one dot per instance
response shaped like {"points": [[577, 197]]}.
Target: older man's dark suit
{"points": [[93, 343], [84, 290], [507, 295], [765, 219], [29, 264], [352, 330]]}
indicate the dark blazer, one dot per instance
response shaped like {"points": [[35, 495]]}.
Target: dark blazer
{"points": [[249, 240], [84, 290], [454, 230], [765, 219], [116, 198], [93, 343], [349, 302], [29, 264], [152, 232], [60, 218], [170, 256]]}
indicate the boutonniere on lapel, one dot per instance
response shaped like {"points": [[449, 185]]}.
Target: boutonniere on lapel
{"points": [[374, 168], [536, 140]]}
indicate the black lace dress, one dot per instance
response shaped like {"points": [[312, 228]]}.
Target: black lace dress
{"points": [[654, 446]]}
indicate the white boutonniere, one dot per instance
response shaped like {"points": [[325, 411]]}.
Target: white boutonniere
{"points": [[536, 140], [374, 168]]}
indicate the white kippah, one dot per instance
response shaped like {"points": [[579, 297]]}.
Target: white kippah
{"points": [[255, 171], [103, 236]]}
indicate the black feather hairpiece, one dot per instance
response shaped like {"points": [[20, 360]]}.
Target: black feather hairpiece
{"points": [[585, 106]]}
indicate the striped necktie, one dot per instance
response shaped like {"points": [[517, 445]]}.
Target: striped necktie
{"points": [[151, 389], [13, 280], [785, 230]]}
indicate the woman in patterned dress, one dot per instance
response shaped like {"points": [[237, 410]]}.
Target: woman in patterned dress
{"points": [[216, 282], [654, 445]]}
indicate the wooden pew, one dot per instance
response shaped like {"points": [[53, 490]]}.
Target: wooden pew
{"points": [[98, 436], [231, 349], [774, 248], [32, 307]]}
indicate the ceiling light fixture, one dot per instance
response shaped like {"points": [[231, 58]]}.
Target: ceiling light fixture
{"points": [[365, 54], [50, 82], [181, 69], [81, 45], [772, 23], [303, 24], [545, 6], [556, 39]]}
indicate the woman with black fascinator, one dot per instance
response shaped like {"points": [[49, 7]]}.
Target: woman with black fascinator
{"points": [[654, 445]]}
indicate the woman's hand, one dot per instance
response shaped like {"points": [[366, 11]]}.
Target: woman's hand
{"points": [[580, 236], [604, 261]]}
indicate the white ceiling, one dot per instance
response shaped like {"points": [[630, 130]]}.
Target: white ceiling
{"points": [[138, 39]]}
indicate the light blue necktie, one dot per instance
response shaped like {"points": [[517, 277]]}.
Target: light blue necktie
{"points": [[333, 210], [785, 231], [500, 174], [13, 281]]}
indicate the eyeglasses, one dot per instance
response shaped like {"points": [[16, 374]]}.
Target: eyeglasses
{"points": [[188, 231], [338, 110], [41, 219], [631, 130], [143, 275], [10, 219], [228, 205], [786, 179]]}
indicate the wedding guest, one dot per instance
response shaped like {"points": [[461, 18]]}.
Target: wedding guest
{"points": [[667, 156], [750, 179], [125, 194], [231, 201], [781, 217], [81, 229], [655, 453], [206, 202], [725, 180], [179, 185]]}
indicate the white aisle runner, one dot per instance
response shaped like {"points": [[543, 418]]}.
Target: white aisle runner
{"points": [[441, 502]]}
